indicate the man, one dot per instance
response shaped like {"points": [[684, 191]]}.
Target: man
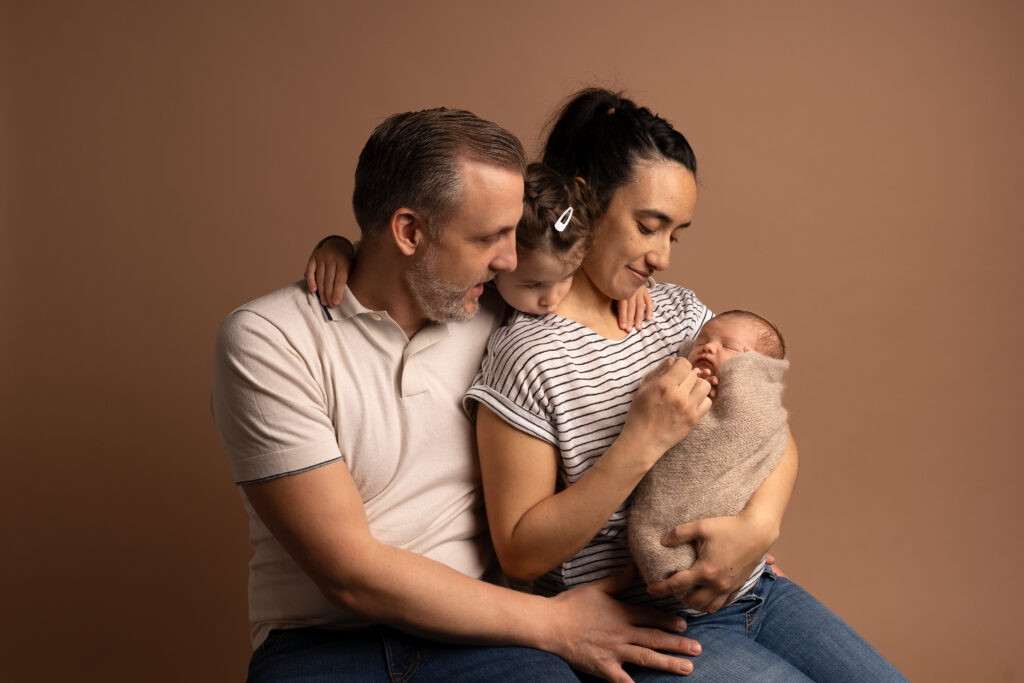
{"points": [[356, 464]]}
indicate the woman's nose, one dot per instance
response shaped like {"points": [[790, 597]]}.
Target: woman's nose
{"points": [[658, 258]]}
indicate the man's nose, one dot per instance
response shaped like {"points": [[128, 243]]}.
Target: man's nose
{"points": [[505, 258]]}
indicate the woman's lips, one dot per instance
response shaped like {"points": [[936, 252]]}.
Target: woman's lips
{"points": [[639, 275]]}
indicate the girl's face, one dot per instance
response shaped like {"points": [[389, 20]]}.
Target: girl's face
{"points": [[635, 235], [540, 281]]}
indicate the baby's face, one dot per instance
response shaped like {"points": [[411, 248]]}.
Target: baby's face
{"points": [[539, 283], [720, 340]]}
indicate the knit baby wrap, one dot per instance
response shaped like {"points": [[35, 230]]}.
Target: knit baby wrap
{"points": [[717, 467]]}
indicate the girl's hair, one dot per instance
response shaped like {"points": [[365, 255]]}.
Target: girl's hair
{"points": [[600, 136], [548, 195]]}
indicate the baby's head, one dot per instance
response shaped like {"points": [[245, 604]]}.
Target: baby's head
{"points": [[731, 333], [552, 238]]}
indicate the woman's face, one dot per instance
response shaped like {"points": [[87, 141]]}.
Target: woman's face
{"points": [[634, 236]]}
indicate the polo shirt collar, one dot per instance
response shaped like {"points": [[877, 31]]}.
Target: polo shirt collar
{"points": [[350, 307]]}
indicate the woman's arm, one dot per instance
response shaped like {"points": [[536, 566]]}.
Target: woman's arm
{"points": [[729, 548], [533, 528]]}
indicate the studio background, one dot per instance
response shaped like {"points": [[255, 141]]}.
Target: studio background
{"points": [[163, 163]]}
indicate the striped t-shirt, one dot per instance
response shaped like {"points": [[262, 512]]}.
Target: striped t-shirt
{"points": [[564, 384]]}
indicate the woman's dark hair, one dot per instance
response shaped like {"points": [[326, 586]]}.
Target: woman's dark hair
{"points": [[548, 195], [600, 135]]}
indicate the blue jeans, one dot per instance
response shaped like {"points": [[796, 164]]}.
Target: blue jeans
{"points": [[380, 653], [777, 632]]}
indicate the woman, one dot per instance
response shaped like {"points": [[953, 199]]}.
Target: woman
{"points": [[567, 427]]}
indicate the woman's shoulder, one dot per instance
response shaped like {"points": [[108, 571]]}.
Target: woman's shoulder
{"points": [[675, 302], [526, 341], [522, 329]]}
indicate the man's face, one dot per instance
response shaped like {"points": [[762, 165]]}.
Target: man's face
{"points": [[478, 241], [721, 339]]}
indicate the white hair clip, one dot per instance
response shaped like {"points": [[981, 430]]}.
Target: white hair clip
{"points": [[563, 221]]}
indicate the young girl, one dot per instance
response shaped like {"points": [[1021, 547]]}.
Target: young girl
{"points": [[552, 237]]}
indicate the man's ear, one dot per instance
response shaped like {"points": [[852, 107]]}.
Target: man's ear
{"points": [[408, 229]]}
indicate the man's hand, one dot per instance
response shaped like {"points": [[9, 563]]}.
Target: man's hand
{"points": [[327, 269], [728, 550], [598, 634]]}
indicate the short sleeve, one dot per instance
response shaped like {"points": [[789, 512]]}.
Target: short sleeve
{"points": [[270, 409], [511, 384]]}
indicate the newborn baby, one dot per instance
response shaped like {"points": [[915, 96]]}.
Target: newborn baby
{"points": [[717, 467]]}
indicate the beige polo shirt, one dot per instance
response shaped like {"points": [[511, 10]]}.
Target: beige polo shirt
{"points": [[297, 385]]}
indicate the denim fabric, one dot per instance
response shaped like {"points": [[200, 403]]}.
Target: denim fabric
{"points": [[382, 654], [778, 632]]}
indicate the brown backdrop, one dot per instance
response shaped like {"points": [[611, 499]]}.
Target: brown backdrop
{"points": [[164, 162]]}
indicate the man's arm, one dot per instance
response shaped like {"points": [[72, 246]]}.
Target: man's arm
{"points": [[318, 517], [269, 407]]}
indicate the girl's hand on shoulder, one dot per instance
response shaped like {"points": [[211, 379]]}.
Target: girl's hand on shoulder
{"points": [[327, 269], [728, 550], [636, 310]]}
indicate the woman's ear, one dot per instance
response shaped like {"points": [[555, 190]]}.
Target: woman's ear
{"points": [[408, 229]]}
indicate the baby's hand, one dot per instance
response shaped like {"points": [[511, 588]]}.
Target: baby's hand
{"points": [[327, 269], [705, 373]]}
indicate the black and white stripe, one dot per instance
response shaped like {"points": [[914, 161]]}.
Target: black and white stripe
{"points": [[564, 384]]}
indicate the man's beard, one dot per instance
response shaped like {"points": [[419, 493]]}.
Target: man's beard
{"points": [[440, 300]]}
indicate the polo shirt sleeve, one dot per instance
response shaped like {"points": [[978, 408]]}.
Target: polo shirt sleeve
{"points": [[270, 409]]}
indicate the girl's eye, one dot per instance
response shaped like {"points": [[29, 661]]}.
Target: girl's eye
{"points": [[731, 347], [531, 285], [644, 230]]}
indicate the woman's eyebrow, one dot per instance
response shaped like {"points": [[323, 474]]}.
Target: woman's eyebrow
{"points": [[660, 217]]}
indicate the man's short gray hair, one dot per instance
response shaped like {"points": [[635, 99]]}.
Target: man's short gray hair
{"points": [[412, 160]]}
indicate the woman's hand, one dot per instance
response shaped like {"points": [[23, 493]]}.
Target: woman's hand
{"points": [[728, 550], [669, 403], [327, 269], [636, 310]]}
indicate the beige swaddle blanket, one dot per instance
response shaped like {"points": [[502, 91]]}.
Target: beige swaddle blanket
{"points": [[717, 467]]}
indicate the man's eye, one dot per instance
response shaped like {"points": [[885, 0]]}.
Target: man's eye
{"points": [[644, 230]]}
